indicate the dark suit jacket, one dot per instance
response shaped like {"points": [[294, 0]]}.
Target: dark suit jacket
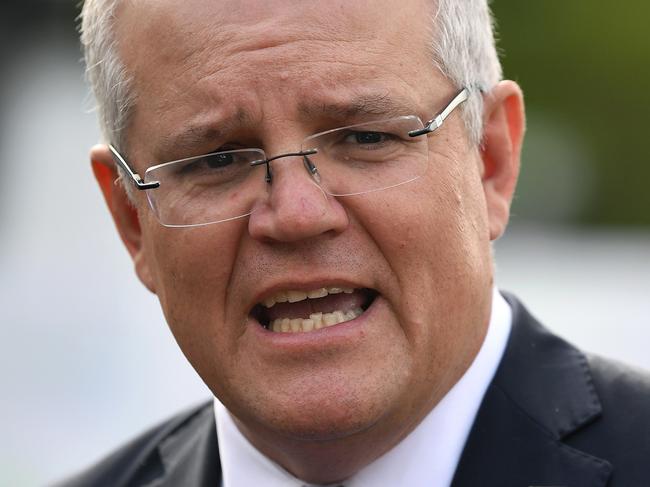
{"points": [[551, 417]]}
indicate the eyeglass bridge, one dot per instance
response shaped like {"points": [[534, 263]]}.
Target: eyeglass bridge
{"points": [[306, 161]]}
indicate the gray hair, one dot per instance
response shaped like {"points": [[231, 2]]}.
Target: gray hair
{"points": [[463, 50], [105, 71]]}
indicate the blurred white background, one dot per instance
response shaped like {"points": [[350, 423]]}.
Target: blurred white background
{"points": [[86, 359]]}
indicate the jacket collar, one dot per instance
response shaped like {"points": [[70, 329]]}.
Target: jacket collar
{"points": [[542, 393]]}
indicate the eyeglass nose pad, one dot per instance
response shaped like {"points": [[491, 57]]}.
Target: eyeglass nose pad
{"points": [[311, 169], [313, 172], [269, 175]]}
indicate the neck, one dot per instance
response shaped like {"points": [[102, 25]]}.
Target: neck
{"points": [[325, 461]]}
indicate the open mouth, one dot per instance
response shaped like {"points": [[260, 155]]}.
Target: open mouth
{"points": [[296, 311]]}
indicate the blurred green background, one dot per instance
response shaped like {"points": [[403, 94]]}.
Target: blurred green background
{"points": [[584, 67]]}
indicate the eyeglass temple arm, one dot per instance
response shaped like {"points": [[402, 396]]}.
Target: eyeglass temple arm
{"points": [[436, 122], [135, 177]]}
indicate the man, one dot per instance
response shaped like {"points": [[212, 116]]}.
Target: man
{"points": [[311, 189]]}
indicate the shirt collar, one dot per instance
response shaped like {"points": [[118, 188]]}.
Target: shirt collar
{"points": [[427, 456]]}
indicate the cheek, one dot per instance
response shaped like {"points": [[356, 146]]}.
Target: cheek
{"points": [[437, 244], [192, 269]]}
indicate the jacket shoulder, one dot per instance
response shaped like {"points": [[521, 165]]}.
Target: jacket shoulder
{"points": [[622, 432], [621, 384], [624, 392], [138, 462]]}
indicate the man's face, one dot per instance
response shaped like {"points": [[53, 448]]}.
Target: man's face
{"points": [[268, 74]]}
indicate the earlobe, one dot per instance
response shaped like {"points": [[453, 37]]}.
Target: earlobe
{"points": [[123, 211], [504, 125]]}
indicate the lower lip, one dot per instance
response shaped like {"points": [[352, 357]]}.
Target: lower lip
{"points": [[346, 332]]}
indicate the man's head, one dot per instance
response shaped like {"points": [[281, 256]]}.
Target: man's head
{"points": [[211, 75]]}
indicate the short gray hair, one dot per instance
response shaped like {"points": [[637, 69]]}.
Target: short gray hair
{"points": [[465, 52], [105, 71], [463, 49]]}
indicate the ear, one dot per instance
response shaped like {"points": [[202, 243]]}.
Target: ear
{"points": [[125, 214], [503, 132]]}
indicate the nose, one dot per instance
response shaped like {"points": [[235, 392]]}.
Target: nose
{"points": [[297, 208]]}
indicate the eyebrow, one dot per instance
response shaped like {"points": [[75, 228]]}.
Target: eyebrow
{"points": [[179, 143], [196, 135], [365, 104]]}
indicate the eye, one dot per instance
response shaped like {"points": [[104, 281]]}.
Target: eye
{"points": [[217, 161], [367, 137], [213, 164]]}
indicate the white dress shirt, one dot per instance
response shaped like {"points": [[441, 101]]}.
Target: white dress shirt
{"points": [[426, 457]]}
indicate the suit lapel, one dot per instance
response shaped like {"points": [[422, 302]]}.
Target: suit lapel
{"points": [[190, 456], [541, 393]]}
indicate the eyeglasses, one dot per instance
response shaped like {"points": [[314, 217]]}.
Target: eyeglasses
{"points": [[345, 161]]}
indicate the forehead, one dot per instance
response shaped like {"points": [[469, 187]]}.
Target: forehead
{"points": [[242, 24], [238, 56]]}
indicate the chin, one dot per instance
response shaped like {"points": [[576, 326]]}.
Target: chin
{"points": [[326, 413], [328, 425]]}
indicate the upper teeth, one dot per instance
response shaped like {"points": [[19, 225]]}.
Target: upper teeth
{"points": [[295, 296]]}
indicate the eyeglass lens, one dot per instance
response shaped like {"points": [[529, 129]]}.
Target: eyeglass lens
{"points": [[349, 161]]}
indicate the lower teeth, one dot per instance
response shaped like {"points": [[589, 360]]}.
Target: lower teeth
{"points": [[314, 322]]}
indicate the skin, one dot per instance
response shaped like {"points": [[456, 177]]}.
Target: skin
{"points": [[326, 405]]}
